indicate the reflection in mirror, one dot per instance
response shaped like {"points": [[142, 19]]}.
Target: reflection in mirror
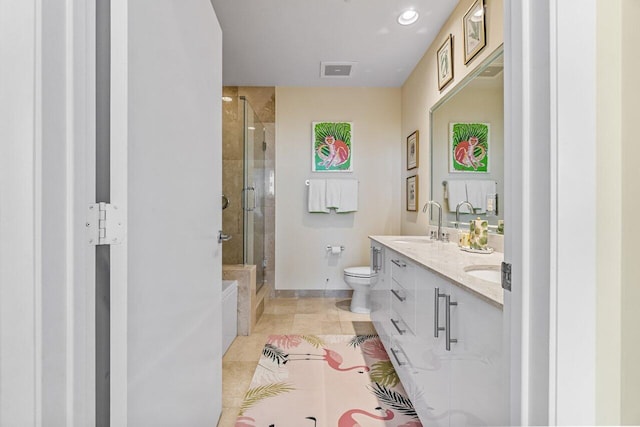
{"points": [[467, 147]]}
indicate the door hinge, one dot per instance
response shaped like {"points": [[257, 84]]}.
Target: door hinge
{"points": [[506, 276], [105, 224]]}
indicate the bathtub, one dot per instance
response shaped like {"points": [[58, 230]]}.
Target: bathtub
{"points": [[229, 313]]}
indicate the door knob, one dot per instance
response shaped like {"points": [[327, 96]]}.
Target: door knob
{"points": [[223, 237]]}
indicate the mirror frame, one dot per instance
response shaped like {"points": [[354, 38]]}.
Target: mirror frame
{"points": [[455, 90]]}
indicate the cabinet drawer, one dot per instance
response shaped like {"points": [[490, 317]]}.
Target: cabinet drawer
{"points": [[402, 271], [403, 304]]}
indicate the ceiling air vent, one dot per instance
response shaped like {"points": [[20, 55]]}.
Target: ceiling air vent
{"points": [[336, 69]]}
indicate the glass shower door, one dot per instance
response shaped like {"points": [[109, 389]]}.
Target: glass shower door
{"points": [[254, 192]]}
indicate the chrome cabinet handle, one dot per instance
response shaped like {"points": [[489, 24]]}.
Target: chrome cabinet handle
{"points": [[448, 304], [395, 356], [436, 312], [395, 324], [399, 263], [397, 295], [375, 253], [223, 237]]}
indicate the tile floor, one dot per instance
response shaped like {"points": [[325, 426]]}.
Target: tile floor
{"points": [[309, 316]]}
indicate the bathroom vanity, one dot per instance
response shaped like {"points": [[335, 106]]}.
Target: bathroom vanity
{"points": [[438, 311]]}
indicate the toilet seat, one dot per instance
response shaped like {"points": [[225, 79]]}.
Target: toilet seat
{"points": [[362, 272]]}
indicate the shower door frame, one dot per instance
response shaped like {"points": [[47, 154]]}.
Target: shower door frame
{"points": [[253, 192]]}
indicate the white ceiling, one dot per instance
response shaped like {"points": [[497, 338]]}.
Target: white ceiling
{"points": [[282, 42]]}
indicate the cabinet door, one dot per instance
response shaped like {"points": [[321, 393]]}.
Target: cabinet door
{"points": [[478, 380], [429, 361], [380, 302]]}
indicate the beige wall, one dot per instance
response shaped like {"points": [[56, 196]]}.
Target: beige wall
{"points": [[302, 262], [630, 207], [618, 192], [609, 215], [420, 92]]}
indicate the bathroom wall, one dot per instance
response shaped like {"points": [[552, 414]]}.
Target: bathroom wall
{"points": [[608, 211], [420, 92], [302, 262], [630, 207], [618, 194]]}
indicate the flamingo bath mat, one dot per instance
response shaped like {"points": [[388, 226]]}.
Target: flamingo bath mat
{"points": [[326, 381]]}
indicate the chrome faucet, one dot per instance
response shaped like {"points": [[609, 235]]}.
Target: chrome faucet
{"points": [[458, 210], [436, 204]]}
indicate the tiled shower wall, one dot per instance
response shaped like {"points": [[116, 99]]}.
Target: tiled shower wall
{"points": [[263, 101]]}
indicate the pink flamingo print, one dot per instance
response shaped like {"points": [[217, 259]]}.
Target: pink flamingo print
{"points": [[333, 359], [347, 420], [245, 422], [375, 349]]}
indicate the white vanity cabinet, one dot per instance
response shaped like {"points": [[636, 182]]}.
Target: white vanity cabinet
{"points": [[462, 383]]}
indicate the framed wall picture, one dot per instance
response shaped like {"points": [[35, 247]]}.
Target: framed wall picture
{"points": [[474, 31], [412, 151], [444, 56], [469, 147], [331, 147], [412, 193]]}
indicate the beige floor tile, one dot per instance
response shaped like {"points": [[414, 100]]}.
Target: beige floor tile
{"points": [[274, 324], [363, 328], [315, 324], [316, 305], [228, 417], [281, 306], [347, 328], [236, 377], [246, 349], [348, 316]]}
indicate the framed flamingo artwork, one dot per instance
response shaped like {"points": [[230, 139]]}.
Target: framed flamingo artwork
{"points": [[332, 149], [469, 147]]}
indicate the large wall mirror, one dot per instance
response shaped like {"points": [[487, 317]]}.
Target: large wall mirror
{"points": [[467, 146]]}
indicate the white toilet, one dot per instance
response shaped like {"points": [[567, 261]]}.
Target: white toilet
{"points": [[360, 280]]}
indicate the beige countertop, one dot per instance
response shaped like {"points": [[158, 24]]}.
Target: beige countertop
{"points": [[449, 261]]}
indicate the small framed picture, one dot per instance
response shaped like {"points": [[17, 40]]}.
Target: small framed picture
{"points": [[412, 151], [474, 31], [444, 57], [412, 193]]}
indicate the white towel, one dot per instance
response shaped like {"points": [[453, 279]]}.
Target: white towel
{"points": [[317, 196], [456, 193], [477, 192], [348, 196], [334, 188]]}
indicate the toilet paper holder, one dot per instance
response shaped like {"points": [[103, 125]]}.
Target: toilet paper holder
{"points": [[330, 248]]}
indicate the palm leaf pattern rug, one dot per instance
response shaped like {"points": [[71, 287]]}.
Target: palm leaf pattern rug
{"points": [[326, 381]]}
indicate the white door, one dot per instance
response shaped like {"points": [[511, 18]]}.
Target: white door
{"points": [[166, 88]]}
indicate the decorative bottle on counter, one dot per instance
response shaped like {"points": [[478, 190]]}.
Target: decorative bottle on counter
{"points": [[478, 234]]}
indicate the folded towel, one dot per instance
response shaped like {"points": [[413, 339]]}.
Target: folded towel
{"points": [[348, 196], [456, 193], [334, 188], [477, 191], [317, 196]]}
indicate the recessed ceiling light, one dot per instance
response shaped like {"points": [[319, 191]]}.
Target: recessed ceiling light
{"points": [[408, 17], [227, 99]]}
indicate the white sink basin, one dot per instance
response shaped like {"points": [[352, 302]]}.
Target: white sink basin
{"points": [[413, 240], [490, 273]]}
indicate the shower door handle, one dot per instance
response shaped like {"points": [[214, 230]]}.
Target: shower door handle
{"points": [[244, 198]]}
